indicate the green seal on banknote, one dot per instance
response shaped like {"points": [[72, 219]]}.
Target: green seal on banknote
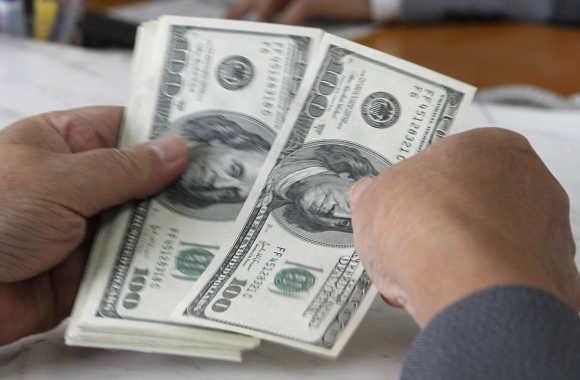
{"points": [[294, 280], [193, 262]]}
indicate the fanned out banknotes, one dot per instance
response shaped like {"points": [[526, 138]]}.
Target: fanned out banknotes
{"points": [[254, 241]]}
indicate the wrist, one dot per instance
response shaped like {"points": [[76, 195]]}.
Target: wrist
{"points": [[457, 279]]}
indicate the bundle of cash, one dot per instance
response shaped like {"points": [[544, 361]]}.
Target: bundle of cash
{"points": [[254, 241]]}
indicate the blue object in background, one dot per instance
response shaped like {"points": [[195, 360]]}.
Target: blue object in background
{"points": [[12, 20]]}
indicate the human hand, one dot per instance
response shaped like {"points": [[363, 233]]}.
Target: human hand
{"points": [[57, 171], [297, 11], [478, 209]]}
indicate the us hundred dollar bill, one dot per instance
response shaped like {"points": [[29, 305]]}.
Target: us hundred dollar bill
{"points": [[291, 274], [226, 87]]}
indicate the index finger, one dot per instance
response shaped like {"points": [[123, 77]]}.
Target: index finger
{"points": [[73, 131], [88, 128]]}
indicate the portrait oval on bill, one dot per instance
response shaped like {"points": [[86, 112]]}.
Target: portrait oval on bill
{"points": [[311, 188], [228, 151]]}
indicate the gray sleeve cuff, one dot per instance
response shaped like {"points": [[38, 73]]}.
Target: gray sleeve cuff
{"points": [[499, 333]]}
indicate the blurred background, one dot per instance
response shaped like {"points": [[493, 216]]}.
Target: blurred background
{"points": [[113, 23], [485, 43], [524, 55]]}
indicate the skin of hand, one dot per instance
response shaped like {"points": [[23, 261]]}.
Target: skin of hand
{"points": [[475, 210], [57, 171], [295, 12]]}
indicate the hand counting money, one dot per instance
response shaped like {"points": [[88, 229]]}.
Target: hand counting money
{"points": [[291, 274], [255, 239], [227, 87]]}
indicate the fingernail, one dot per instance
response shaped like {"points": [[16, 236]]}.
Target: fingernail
{"points": [[394, 302], [169, 149], [359, 188]]}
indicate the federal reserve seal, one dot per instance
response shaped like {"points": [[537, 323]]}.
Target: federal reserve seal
{"points": [[235, 72], [191, 263], [294, 280], [381, 110]]}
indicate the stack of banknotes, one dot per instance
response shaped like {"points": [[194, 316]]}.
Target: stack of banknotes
{"points": [[254, 241]]}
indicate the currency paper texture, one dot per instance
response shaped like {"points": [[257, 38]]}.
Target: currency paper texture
{"points": [[291, 274], [225, 86], [254, 240]]}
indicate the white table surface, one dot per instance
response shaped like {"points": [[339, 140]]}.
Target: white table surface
{"points": [[37, 77], [42, 77]]}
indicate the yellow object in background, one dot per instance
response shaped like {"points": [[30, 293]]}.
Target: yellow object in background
{"points": [[45, 14]]}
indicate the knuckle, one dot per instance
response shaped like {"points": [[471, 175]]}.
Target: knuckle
{"points": [[34, 236], [562, 196], [494, 134], [60, 224], [511, 141], [128, 164], [572, 245], [31, 165], [510, 137], [497, 144]]}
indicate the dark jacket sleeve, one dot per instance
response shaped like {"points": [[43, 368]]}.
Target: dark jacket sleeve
{"points": [[501, 333], [556, 11]]}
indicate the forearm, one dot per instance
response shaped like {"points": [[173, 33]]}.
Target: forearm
{"points": [[499, 333], [557, 11]]}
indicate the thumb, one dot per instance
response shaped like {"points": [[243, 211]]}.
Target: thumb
{"points": [[362, 207], [357, 191], [103, 178]]}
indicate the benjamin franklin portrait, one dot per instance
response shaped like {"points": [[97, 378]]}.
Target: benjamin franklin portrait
{"points": [[311, 188], [227, 155]]}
